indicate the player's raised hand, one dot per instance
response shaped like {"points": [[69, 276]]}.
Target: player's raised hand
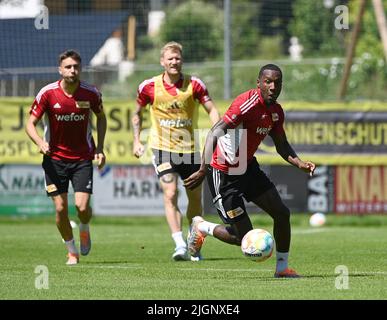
{"points": [[195, 179], [101, 159]]}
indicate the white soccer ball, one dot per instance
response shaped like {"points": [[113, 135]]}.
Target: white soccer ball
{"points": [[317, 219], [257, 245]]}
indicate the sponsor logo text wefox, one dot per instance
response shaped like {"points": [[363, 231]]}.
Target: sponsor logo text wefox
{"points": [[70, 117]]}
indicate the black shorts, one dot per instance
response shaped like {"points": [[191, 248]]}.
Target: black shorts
{"points": [[58, 173], [183, 164], [227, 190]]}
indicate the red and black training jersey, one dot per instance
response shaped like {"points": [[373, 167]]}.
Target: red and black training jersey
{"points": [[67, 121], [251, 121]]}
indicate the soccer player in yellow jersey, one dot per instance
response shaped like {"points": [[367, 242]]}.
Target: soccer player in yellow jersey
{"points": [[173, 98]]}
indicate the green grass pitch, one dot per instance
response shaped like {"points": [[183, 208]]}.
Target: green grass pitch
{"points": [[131, 259]]}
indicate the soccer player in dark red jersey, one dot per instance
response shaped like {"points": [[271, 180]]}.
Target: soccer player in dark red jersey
{"points": [[68, 146], [234, 171]]}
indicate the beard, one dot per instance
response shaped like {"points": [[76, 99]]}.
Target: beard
{"points": [[71, 80]]}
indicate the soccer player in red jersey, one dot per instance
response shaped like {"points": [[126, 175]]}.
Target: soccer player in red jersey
{"points": [[174, 98], [68, 147], [234, 171]]}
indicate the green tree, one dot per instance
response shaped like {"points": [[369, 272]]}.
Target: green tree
{"points": [[244, 36], [369, 40], [368, 72], [314, 25], [198, 26]]}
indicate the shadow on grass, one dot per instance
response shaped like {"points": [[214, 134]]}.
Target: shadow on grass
{"points": [[221, 259], [351, 275], [97, 262], [262, 277], [125, 261]]}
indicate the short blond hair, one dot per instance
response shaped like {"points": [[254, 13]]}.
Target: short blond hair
{"points": [[173, 45]]}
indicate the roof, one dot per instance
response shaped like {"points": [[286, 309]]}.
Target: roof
{"points": [[24, 46]]}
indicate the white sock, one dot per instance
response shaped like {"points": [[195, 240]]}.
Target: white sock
{"points": [[178, 238], [83, 227], [282, 261], [71, 248], [207, 227]]}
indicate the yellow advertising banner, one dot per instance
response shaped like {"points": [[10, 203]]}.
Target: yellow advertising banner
{"points": [[332, 134], [326, 134], [17, 148]]}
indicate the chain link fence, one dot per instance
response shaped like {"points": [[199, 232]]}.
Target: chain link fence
{"points": [[120, 41]]}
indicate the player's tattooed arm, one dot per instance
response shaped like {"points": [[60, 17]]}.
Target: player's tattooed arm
{"points": [[138, 148], [136, 122]]}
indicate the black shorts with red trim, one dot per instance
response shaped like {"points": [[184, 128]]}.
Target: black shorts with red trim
{"points": [[59, 173], [184, 164], [228, 191]]}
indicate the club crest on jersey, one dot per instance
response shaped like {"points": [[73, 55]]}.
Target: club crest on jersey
{"points": [[83, 104], [275, 116]]}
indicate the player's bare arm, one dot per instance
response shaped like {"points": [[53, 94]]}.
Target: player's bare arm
{"points": [[218, 130], [138, 148], [212, 111], [31, 131], [101, 131], [286, 151]]}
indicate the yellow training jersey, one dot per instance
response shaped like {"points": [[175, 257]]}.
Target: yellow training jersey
{"points": [[173, 118]]}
